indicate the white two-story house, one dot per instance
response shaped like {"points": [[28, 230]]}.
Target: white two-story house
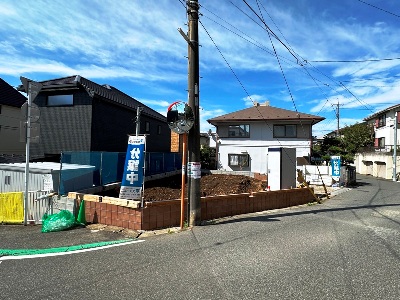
{"points": [[378, 161], [244, 136]]}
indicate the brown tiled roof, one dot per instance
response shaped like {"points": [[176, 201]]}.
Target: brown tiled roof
{"points": [[10, 96], [105, 91], [261, 112]]}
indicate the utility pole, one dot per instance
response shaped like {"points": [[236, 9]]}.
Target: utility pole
{"points": [[337, 117], [32, 88], [395, 148], [138, 111], [194, 133]]}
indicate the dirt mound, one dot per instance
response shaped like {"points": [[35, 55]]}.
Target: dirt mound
{"points": [[210, 185]]}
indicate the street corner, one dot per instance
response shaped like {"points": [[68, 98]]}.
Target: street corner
{"points": [[32, 237]]}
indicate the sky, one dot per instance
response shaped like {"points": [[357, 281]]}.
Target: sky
{"points": [[322, 57]]}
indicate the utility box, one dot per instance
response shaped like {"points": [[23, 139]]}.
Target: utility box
{"points": [[348, 175], [281, 168]]}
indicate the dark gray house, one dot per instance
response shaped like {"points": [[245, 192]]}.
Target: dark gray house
{"points": [[77, 114], [11, 149]]}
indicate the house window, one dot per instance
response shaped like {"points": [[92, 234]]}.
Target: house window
{"points": [[239, 160], [381, 121], [159, 129], [60, 100], [285, 131], [7, 180], [239, 131], [147, 127]]}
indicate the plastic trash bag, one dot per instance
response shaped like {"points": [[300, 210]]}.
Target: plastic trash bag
{"points": [[58, 222]]}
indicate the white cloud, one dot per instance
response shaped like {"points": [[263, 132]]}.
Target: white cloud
{"points": [[252, 99], [156, 103], [7, 10], [209, 114], [136, 45]]}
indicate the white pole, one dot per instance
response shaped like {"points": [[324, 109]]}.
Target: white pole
{"points": [[28, 137], [395, 148]]}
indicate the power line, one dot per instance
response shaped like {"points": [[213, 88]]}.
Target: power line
{"points": [[386, 11], [237, 78], [268, 29], [353, 61], [287, 46]]}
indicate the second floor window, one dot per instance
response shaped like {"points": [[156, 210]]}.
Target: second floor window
{"points": [[60, 100], [239, 131], [381, 121], [285, 131]]}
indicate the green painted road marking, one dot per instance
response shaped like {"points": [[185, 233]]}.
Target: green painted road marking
{"points": [[24, 252]]}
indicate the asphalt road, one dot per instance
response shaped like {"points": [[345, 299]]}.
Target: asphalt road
{"points": [[345, 248]]}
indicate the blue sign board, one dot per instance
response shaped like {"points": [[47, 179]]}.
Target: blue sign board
{"points": [[335, 163], [133, 178]]}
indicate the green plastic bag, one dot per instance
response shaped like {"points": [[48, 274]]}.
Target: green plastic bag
{"points": [[58, 222]]}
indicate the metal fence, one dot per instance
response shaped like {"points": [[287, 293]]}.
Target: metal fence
{"points": [[39, 204]]}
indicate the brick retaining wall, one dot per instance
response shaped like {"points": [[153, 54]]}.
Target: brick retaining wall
{"points": [[164, 214]]}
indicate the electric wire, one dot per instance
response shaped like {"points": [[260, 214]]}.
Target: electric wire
{"points": [[267, 28], [355, 61], [291, 51], [302, 65], [386, 11], [237, 78], [298, 57]]}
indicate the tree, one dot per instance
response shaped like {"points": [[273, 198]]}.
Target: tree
{"points": [[357, 136], [351, 140], [207, 155]]}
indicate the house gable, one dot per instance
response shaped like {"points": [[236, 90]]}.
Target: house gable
{"points": [[93, 117]]}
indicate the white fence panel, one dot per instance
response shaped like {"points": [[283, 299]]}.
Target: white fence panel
{"points": [[39, 204]]}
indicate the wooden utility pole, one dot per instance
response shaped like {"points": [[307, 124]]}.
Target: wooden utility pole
{"points": [[194, 171]]}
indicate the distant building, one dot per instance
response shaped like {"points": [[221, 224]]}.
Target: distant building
{"points": [[11, 100], [244, 136], [378, 160], [77, 114]]}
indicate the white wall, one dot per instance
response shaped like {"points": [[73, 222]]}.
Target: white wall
{"points": [[376, 164], [261, 138]]}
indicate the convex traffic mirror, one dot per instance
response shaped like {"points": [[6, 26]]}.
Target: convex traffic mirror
{"points": [[180, 117]]}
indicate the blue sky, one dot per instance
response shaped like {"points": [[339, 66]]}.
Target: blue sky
{"points": [[344, 51]]}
